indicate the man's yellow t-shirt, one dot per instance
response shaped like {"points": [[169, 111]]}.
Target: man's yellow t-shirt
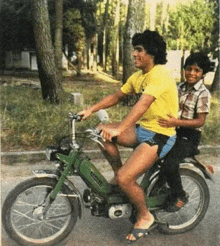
{"points": [[159, 84]]}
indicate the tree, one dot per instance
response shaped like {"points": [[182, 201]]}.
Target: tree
{"points": [[214, 49], [16, 33], [105, 30], [190, 25], [128, 61], [115, 41], [47, 69], [74, 35], [135, 22], [58, 43]]}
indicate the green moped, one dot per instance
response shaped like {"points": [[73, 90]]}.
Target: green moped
{"points": [[44, 209]]}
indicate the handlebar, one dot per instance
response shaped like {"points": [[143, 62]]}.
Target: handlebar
{"points": [[75, 117], [94, 133]]}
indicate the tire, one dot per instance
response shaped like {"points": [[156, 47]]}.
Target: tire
{"points": [[193, 212], [22, 210]]}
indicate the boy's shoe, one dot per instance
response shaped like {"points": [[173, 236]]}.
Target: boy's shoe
{"points": [[176, 204]]}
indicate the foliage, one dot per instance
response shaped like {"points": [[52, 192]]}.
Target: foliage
{"points": [[28, 123], [215, 39], [15, 25], [73, 32], [190, 25], [212, 125]]}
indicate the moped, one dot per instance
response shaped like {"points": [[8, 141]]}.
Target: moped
{"points": [[43, 210]]}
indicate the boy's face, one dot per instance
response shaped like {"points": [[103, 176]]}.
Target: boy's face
{"points": [[193, 74], [141, 57]]}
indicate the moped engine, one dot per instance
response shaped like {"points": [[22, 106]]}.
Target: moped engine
{"points": [[120, 211]]}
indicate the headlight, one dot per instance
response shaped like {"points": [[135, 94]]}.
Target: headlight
{"points": [[50, 153]]}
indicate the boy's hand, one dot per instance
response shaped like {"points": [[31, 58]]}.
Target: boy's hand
{"points": [[170, 122]]}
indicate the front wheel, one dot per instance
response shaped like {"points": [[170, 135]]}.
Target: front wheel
{"points": [[22, 213], [193, 212]]}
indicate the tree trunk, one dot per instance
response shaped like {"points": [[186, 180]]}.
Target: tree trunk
{"points": [[128, 61], [48, 72], [181, 66], [115, 51], [58, 44], [216, 81], [105, 28]]}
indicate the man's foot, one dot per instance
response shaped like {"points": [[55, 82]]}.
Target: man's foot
{"points": [[139, 231], [176, 204]]}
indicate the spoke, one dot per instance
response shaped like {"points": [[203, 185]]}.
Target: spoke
{"points": [[23, 227], [53, 226], [25, 203], [24, 215]]}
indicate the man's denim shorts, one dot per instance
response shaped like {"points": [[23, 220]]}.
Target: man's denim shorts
{"points": [[165, 143]]}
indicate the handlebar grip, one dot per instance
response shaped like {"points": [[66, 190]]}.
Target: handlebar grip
{"points": [[78, 117], [114, 139]]}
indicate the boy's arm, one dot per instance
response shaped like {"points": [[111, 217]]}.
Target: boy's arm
{"points": [[174, 122]]}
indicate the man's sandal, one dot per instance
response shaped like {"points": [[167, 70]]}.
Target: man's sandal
{"points": [[137, 233]]}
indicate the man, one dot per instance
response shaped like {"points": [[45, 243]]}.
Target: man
{"points": [[157, 98]]}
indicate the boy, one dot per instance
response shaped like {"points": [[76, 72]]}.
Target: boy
{"points": [[194, 105]]}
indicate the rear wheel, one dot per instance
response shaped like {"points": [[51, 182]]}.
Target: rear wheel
{"points": [[22, 213], [193, 212]]}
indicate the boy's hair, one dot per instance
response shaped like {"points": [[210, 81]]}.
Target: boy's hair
{"points": [[199, 59], [153, 43]]}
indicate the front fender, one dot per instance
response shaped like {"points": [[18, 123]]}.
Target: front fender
{"points": [[194, 164], [40, 173]]}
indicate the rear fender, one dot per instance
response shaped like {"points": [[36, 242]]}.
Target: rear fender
{"points": [[194, 164]]}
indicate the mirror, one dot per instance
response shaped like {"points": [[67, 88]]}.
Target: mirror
{"points": [[103, 115]]}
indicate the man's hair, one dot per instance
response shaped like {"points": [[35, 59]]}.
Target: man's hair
{"points": [[199, 59], [153, 43]]}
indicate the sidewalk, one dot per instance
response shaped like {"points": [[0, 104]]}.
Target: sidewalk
{"points": [[21, 164], [11, 158]]}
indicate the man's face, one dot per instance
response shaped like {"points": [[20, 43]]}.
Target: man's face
{"points": [[141, 57], [193, 74]]}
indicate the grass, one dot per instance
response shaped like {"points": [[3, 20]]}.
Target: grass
{"points": [[28, 123]]}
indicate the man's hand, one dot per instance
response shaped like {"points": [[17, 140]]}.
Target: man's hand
{"points": [[170, 122], [108, 132], [86, 113]]}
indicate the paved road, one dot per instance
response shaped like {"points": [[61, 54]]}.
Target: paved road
{"points": [[94, 231]]}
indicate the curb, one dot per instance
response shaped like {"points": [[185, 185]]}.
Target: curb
{"points": [[33, 157], [11, 158]]}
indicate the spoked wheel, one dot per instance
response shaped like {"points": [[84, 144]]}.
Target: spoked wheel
{"points": [[193, 212], [23, 218]]}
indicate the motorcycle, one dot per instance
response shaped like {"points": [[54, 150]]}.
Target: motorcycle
{"points": [[43, 210]]}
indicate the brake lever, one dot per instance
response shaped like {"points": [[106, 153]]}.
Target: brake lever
{"points": [[95, 136]]}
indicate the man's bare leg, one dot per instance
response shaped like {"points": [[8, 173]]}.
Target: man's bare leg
{"points": [[141, 159], [111, 152]]}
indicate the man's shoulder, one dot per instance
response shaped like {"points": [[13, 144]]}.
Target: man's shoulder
{"points": [[161, 71]]}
